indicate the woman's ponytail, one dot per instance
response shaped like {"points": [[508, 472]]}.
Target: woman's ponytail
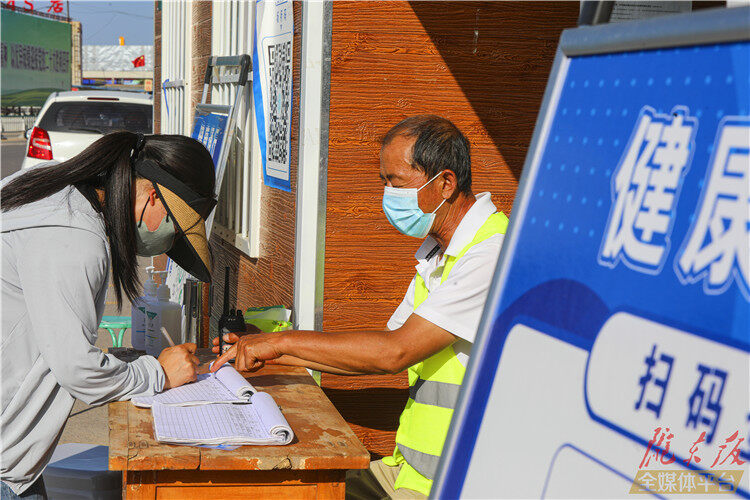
{"points": [[120, 222]]}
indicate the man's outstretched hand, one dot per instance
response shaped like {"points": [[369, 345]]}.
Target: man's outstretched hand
{"points": [[250, 352], [229, 338]]}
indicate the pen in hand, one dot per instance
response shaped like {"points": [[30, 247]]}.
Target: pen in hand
{"points": [[166, 336]]}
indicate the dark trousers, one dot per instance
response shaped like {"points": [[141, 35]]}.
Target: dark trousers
{"points": [[37, 491]]}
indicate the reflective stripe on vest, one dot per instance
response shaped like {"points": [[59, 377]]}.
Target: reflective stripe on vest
{"points": [[428, 392], [424, 463], [434, 387]]}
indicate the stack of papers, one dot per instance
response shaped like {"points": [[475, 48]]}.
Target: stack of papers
{"points": [[224, 386], [218, 409]]}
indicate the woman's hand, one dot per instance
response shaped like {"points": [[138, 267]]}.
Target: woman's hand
{"points": [[180, 365], [250, 352]]}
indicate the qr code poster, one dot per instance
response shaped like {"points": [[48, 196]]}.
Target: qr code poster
{"points": [[272, 88]]}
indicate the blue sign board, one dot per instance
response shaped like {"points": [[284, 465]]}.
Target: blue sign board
{"points": [[209, 128], [613, 357]]}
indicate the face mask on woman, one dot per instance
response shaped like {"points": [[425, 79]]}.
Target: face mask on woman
{"points": [[401, 207], [157, 242]]}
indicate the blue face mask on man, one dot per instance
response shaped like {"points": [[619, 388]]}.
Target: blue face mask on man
{"points": [[401, 207]]}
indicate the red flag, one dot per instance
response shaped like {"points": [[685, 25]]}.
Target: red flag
{"points": [[139, 61]]}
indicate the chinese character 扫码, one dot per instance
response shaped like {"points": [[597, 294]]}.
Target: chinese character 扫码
{"points": [[645, 189], [704, 405], [649, 378]]}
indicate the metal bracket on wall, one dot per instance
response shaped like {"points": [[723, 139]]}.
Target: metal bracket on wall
{"points": [[174, 84], [240, 67]]}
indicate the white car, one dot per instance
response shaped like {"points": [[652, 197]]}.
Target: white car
{"points": [[70, 121]]}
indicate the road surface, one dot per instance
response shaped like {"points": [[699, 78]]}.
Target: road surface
{"points": [[12, 151]]}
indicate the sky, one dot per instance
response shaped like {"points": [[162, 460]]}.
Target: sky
{"points": [[103, 22]]}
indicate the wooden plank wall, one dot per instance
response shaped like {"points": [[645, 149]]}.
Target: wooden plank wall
{"points": [[268, 280], [483, 65]]}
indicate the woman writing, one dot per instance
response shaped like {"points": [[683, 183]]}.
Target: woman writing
{"points": [[65, 228]]}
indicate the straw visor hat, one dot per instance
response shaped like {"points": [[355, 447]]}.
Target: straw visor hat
{"points": [[189, 211]]}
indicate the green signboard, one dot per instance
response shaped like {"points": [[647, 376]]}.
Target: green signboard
{"points": [[35, 58]]}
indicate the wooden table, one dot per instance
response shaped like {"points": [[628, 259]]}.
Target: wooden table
{"points": [[312, 466]]}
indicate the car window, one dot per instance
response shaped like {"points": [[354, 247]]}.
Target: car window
{"points": [[101, 117]]}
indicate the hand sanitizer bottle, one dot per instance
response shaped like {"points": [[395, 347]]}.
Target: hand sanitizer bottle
{"points": [[170, 316], [138, 312], [154, 344]]}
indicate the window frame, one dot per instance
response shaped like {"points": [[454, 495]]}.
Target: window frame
{"points": [[176, 49], [237, 219]]}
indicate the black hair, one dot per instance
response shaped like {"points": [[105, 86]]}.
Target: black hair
{"points": [[440, 145], [107, 165]]}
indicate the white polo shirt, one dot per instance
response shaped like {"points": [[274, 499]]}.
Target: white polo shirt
{"points": [[455, 305]]}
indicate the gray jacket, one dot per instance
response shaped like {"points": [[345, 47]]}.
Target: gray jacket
{"points": [[55, 270]]}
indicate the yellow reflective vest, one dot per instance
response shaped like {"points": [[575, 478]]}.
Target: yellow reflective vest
{"points": [[433, 390]]}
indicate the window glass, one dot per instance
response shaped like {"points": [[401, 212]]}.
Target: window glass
{"points": [[98, 117]]}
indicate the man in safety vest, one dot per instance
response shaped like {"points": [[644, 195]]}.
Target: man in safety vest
{"points": [[426, 168]]}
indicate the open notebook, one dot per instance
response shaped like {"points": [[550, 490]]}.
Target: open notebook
{"points": [[224, 386], [217, 409], [260, 422]]}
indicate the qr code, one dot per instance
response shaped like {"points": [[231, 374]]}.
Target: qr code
{"points": [[279, 99]]}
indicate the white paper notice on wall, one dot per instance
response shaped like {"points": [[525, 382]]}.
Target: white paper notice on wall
{"points": [[632, 11], [272, 88]]}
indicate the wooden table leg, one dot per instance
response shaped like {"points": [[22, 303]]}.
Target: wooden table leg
{"points": [[335, 488], [141, 485]]}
